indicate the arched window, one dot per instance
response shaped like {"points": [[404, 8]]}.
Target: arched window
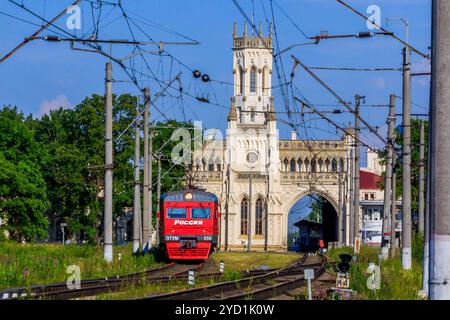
{"points": [[341, 165], [306, 165], [244, 216], [211, 166], [241, 80], [253, 80], [320, 165], [259, 216], [204, 164], [313, 165], [286, 162], [299, 162], [292, 165], [327, 165], [334, 165]]}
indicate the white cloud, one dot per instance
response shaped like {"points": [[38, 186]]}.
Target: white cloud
{"points": [[379, 83], [56, 103]]}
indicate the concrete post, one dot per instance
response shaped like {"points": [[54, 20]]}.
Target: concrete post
{"points": [[352, 197], [406, 177], [421, 177], [107, 225], [439, 284], [249, 227], [388, 177], [340, 213], [150, 188], [146, 200], [158, 194], [393, 205], [357, 230], [137, 187]]}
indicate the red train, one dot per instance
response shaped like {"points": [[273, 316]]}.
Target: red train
{"points": [[189, 224]]}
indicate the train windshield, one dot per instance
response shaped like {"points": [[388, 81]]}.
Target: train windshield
{"points": [[176, 212], [200, 213]]}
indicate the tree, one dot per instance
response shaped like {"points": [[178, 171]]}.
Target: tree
{"points": [[415, 161], [23, 192]]}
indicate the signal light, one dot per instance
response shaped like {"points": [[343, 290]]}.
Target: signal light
{"points": [[344, 266]]}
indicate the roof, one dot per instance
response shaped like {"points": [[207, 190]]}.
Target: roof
{"points": [[197, 195], [307, 223], [369, 180]]}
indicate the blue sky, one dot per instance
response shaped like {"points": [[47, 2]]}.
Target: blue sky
{"points": [[45, 75]]}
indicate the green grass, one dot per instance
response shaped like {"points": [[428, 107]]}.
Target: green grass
{"points": [[240, 261], [47, 263], [396, 283], [235, 262]]}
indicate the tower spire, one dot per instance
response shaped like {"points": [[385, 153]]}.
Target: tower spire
{"points": [[260, 28], [245, 29], [234, 30], [232, 116]]}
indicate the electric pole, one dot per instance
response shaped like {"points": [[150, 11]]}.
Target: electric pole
{"points": [[426, 235], [352, 196], [107, 223], [137, 186], [406, 177], [340, 215], [249, 216], [421, 177], [388, 177], [158, 191], [356, 232], [146, 213], [227, 181], [439, 150], [393, 205], [150, 186]]}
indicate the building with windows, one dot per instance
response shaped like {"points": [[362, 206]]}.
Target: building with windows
{"points": [[259, 177]]}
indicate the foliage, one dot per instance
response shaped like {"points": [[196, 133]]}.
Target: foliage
{"points": [[22, 187], [396, 283], [48, 263], [415, 144], [59, 158]]}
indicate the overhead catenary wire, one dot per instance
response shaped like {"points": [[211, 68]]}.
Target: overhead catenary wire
{"points": [[297, 61], [426, 56]]}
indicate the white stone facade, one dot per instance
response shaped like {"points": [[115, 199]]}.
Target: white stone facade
{"points": [[281, 171]]}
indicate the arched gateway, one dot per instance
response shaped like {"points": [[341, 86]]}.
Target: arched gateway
{"points": [[257, 177]]}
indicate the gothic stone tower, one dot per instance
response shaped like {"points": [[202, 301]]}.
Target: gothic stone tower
{"points": [[251, 154]]}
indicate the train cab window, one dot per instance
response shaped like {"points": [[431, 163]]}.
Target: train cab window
{"points": [[200, 213], [176, 213]]}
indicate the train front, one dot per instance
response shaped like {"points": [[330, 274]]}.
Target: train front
{"points": [[189, 224]]}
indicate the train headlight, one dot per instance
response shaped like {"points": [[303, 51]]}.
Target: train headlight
{"points": [[188, 196]]}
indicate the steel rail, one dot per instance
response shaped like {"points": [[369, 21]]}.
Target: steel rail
{"points": [[218, 291]]}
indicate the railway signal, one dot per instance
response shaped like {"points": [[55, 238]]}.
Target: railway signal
{"points": [[343, 278]]}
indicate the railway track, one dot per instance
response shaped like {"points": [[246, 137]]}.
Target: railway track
{"points": [[263, 286], [60, 291], [165, 274]]}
